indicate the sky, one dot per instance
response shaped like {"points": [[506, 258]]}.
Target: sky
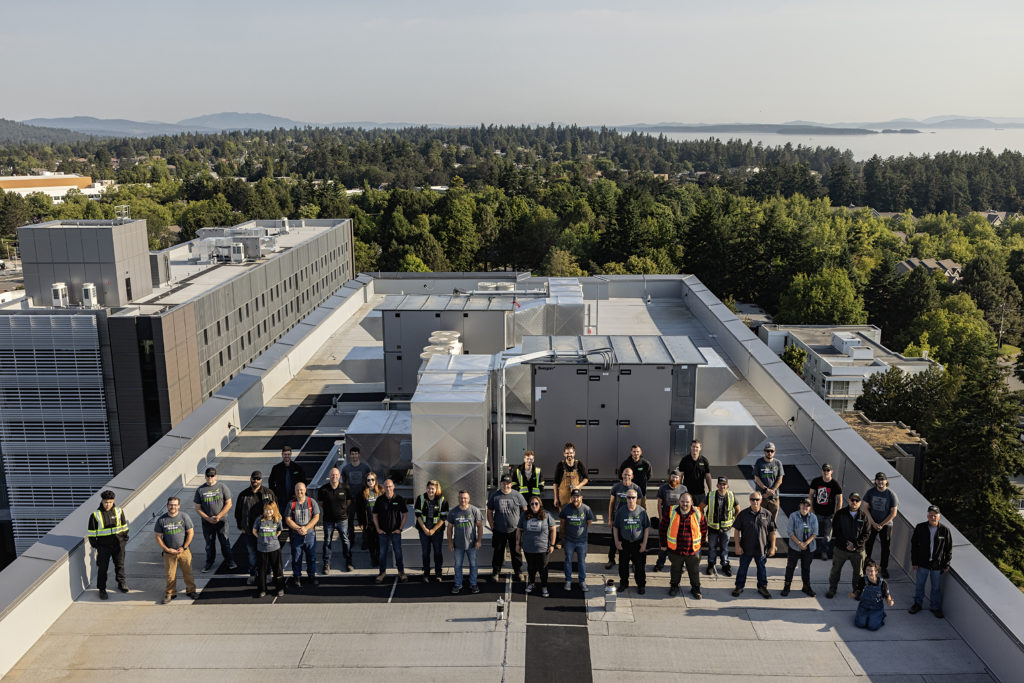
{"points": [[526, 61]]}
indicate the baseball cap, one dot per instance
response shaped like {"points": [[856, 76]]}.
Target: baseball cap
{"points": [[854, 496], [805, 501], [256, 474], [211, 471], [826, 466], [770, 446], [108, 495], [576, 492], [934, 508], [506, 478], [881, 475], [723, 480], [677, 472]]}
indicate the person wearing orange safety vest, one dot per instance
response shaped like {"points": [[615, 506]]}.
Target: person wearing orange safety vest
{"points": [[108, 534], [687, 531]]}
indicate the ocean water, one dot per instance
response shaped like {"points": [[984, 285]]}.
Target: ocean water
{"points": [[885, 145]]}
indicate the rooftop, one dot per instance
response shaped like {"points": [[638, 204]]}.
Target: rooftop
{"points": [[191, 272], [882, 436], [55, 628], [819, 339]]}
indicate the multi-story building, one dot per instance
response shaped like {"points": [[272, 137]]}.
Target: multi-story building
{"points": [[54, 185], [113, 345], [839, 358]]}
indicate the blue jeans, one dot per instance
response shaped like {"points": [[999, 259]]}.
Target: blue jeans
{"points": [[303, 546], [718, 547], [462, 554], [250, 551], [428, 543], [211, 534], [394, 541], [580, 550], [342, 529], [869, 618], [762, 570], [935, 596], [824, 548]]}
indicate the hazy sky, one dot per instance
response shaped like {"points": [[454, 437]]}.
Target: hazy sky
{"points": [[523, 61]]}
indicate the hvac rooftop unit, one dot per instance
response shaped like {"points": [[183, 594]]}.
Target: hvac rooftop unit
{"points": [[237, 252], [89, 297], [60, 295]]}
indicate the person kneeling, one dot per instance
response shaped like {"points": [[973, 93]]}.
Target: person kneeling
{"points": [[873, 593]]}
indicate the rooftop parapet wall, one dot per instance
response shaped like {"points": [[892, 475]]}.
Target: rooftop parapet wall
{"points": [[43, 582], [982, 604]]}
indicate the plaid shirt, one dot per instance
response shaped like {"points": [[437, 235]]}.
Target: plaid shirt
{"points": [[684, 537]]}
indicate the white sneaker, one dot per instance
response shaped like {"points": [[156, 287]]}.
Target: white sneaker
{"points": [[568, 585], [544, 592], [584, 587], [250, 581], [529, 588]]}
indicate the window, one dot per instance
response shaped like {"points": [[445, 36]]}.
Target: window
{"points": [[221, 357], [207, 368], [218, 328], [206, 337], [227, 323], [229, 352]]}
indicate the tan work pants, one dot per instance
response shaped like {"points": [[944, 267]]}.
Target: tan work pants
{"points": [[171, 564]]}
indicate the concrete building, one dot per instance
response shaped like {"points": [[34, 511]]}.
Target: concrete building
{"points": [[114, 345], [54, 627], [839, 358], [54, 185]]}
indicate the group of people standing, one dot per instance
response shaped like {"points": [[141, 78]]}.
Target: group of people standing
{"points": [[692, 515]]}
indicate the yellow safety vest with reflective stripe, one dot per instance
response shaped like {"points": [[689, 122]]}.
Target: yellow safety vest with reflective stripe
{"points": [[673, 529], [118, 527], [730, 511], [522, 482]]}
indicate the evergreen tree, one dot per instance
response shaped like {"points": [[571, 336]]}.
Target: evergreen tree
{"points": [[975, 451]]}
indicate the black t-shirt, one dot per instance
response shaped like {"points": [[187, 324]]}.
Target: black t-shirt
{"points": [[825, 495], [389, 513], [333, 503], [694, 474], [641, 472], [561, 469]]}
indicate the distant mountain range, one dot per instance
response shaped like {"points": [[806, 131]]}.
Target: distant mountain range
{"points": [[12, 131], [74, 127], [209, 123]]}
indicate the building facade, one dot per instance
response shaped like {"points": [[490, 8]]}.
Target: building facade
{"points": [[839, 358], [84, 391]]}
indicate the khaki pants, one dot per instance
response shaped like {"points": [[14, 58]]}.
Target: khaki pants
{"points": [[171, 564]]}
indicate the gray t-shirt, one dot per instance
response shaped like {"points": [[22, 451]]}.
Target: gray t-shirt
{"points": [[670, 496], [266, 532], [212, 497], [576, 522], [301, 513], [631, 524], [355, 475], [768, 472], [173, 529], [507, 509], [464, 525], [879, 503], [537, 533], [619, 490]]}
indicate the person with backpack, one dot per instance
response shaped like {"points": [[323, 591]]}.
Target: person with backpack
{"points": [[302, 515]]}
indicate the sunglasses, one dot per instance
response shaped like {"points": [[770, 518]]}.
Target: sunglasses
{"points": [[533, 505], [630, 497]]}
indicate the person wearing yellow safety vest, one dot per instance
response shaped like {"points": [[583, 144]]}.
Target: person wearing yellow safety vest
{"points": [[687, 531], [108, 533], [721, 509], [529, 481]]}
